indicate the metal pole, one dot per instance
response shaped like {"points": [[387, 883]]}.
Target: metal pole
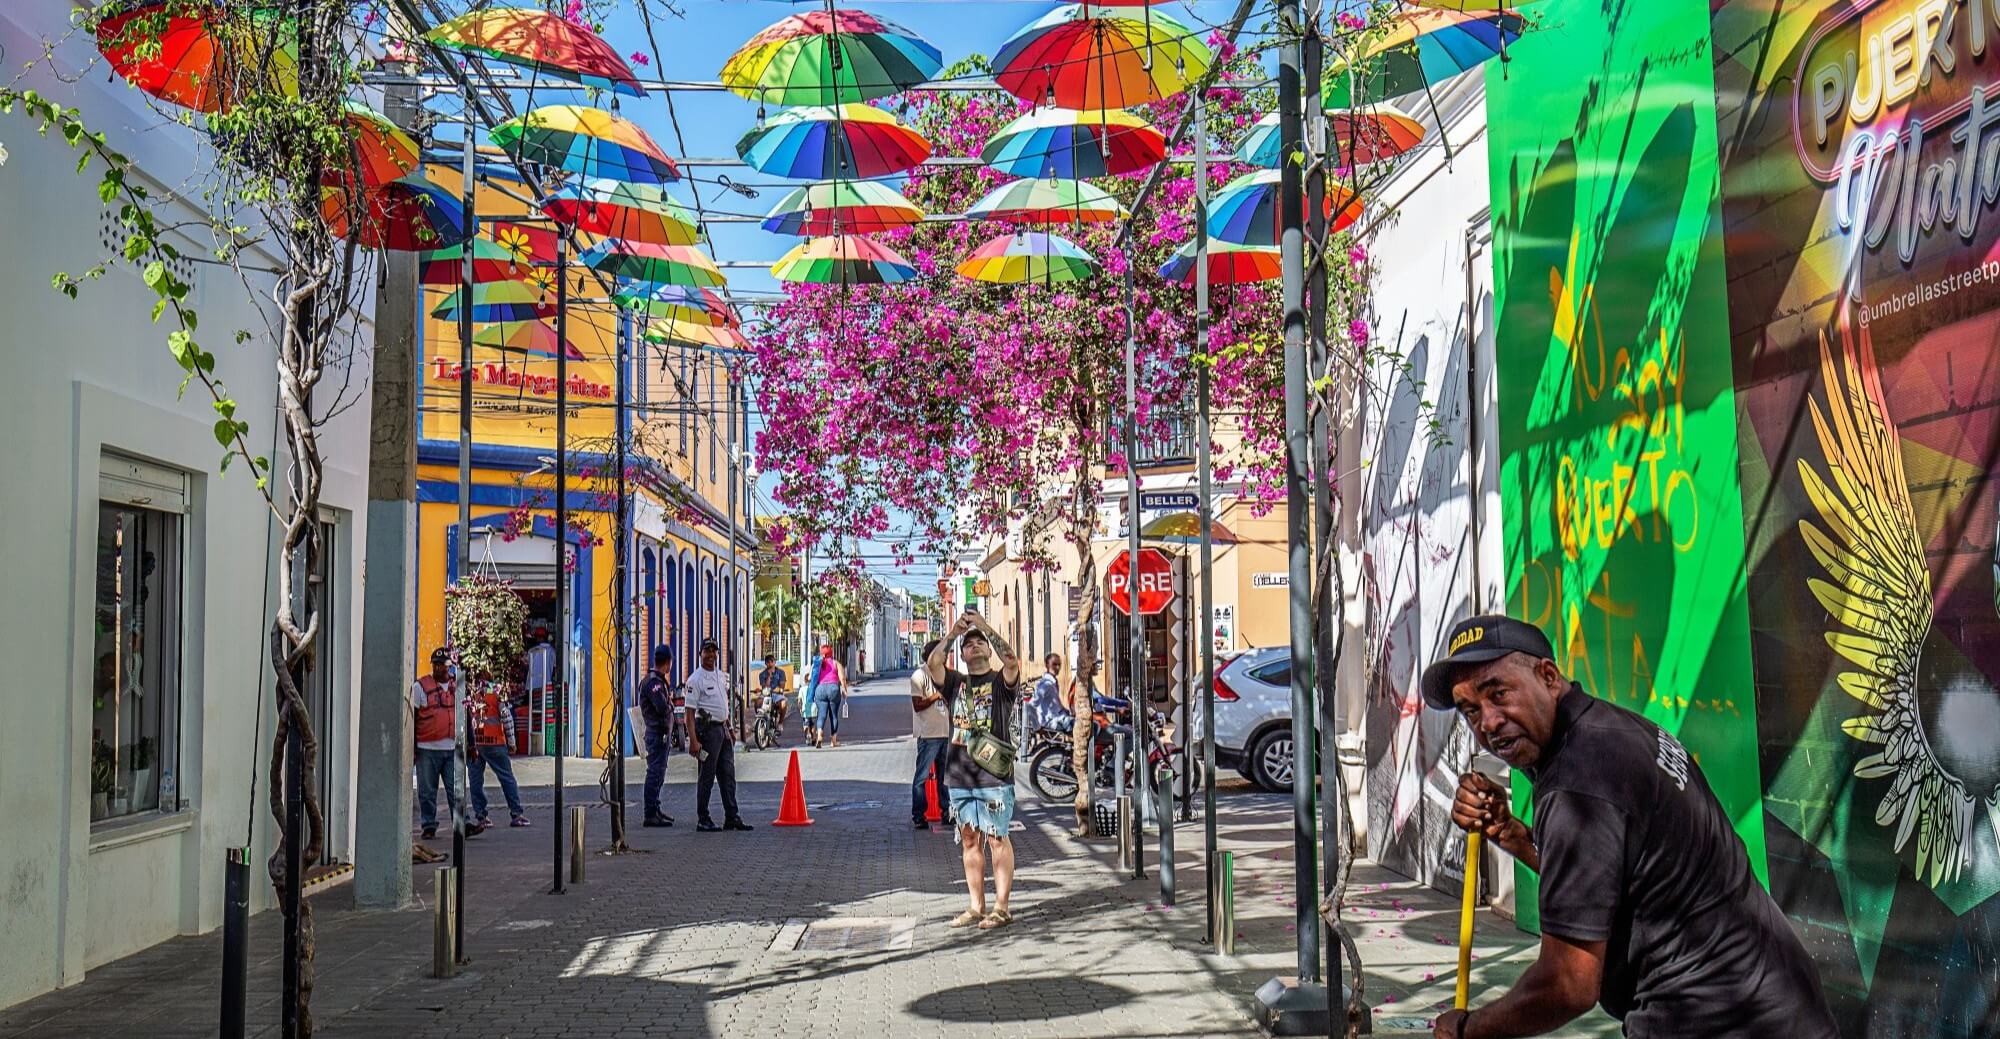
{"points": [[470, 226], [235, 941], [461, 733], [621, 609], [1135, 671], [288, 1018], [1205, 464], [736, 607], [563, 620]]}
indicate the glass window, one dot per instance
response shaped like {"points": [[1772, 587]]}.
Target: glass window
{"points": [[1278, 673], [135, 680]]}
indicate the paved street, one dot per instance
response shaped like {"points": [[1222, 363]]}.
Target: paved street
{"points": [[837, 929]]}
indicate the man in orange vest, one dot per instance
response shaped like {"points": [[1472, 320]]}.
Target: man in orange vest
{"points": [[433, 698]]}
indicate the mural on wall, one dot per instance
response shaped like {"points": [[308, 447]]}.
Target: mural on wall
{"points": [[1617, 422], [1860, 172]]}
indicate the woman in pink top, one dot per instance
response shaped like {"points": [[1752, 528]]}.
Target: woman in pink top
{"points": [[829, 691]]}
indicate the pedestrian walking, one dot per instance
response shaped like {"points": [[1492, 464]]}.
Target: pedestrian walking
{"points": [[829, 691], [491, 724], [979, 763], [657, 708], [709, 741], [1649, 903], [433, 700], [1046, 707], [1080, 700], [931, 724]]}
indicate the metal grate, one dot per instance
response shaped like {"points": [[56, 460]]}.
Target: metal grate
{"points": [[857, 934]]}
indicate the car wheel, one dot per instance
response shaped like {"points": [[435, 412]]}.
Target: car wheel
{"points": [[1270, 760]]}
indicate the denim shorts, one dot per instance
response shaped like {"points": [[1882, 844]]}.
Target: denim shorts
{"points": [[988, 809]]}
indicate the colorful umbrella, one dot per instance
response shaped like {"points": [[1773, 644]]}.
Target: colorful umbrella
{"points": [[653, 264], [380, 150], [406, 215], [679, 303], [1422, 47], [828, 58], [1359, 137], [589, 141], [491, 261], [616, 209], [1075, 60], [1185, 528], [1227, 264], [539, 40], [1245, 212], [844, 260], [196, 55], [1055, 142], [1047, 202], [842, 207], [828, 142], [1028, 256], [499, 301], [694, 333], [528, 337]]}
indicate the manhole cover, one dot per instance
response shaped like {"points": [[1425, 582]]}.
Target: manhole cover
{"points": [[851, 934]]}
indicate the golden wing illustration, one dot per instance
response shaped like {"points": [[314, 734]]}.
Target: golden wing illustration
{"points": [[1879, 598]]}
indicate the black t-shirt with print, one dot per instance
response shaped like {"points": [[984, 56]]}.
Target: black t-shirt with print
{"points": [[1638, 853], [983, 702]]}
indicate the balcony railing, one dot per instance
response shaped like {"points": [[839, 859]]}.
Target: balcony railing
{"points": [[1173, 445]]}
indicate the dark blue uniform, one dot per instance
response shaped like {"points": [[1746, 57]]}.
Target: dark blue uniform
{"points": [[656, 707]]}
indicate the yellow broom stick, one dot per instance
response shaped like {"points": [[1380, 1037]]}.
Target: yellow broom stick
{"points": [[1465, 919]]}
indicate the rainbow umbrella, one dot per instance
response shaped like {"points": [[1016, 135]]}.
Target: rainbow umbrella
{"points": [[1073, 59], [1423, 46], [844, 260], [793, 62], [616, 209], [1184, 528], [1245, 212], [541, 41], [842, 207], [1028, 256], [195, 54], [1047, 202], [491, 261], [1227, 264], [653, 264], [589, 141], [527, 337], [499, 301], [1359, 137], [379, 151], [407, 215], [838, 141], [1058, 143], [678, 303], [694, 333]]}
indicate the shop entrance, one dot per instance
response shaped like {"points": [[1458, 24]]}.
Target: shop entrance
{"points": [[528, 562]]}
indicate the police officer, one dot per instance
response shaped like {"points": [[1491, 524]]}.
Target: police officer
{"points": [[656, 706], [710, 742]]}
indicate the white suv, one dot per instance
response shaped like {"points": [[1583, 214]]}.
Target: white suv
{"points": [[1253, 716]]}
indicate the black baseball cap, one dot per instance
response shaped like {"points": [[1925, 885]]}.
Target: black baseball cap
{"points": [[1477, 640], [441, 655], [708, 644]]}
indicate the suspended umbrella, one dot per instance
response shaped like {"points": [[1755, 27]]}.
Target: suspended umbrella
{"points": [[1184, 528], [1046, 202], [616, 209], [828, 58], [824, 142], [499, 301], [491, 261], [1358, 137], [541, 41], [653, 264], [407, 215], [1227, 264], [1032, 257], [694, 333], [198, 55], [529, 337], [842, 207], [1423, 46], [1245, 211], [1073, 58], [843, 260], [589, 141], [1058, 143], [380, 151], [678, 303]]}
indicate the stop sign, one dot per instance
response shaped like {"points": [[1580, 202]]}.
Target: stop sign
{"points": [[1156, 581]]}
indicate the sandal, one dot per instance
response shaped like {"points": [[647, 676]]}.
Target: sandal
{"points": [[968, 918], [996, 918]]}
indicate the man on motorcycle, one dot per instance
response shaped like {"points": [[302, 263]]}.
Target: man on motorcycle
{"points": [[772, 681]]}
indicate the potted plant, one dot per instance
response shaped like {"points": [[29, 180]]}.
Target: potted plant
{"points": [[142, 766], [103, 773]]}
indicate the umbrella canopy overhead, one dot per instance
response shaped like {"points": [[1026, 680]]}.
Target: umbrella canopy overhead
{"points": [[1031, 257], [491, 261], [653, 264], [589, 141], [670, 332], [499, 301], [1184, 528], [683, 303], [616, 209], [1358, 137], [1245, 211], [1047, 202], [793, 61], [536, 338], [1058, 143], [1424, 46], [406, 215], [196, 55], [843, 260], [824, 142], [380, 151], [542, 42], [1075, 57], [842, 207], [1227, 264]]}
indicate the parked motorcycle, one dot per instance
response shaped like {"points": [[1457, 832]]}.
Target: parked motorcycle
{"points": [[1051, 774], [764, 732]]}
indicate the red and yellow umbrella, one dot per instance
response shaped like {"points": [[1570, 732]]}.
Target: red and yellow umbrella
{"points": [[197, 54], [634, 212], [695, 333], [378, 150], [405, 215], [541, 41], [1075, 58], [535, 337]]}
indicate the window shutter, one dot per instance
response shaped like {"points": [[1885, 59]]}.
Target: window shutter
{"points": [[129, 481]]}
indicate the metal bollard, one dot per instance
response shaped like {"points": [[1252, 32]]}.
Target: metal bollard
{"points": [[1225, 914], [577, 855], [444, 956], [1126, 828]]}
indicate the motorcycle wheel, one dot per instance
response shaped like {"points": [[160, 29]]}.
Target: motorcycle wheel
{"points": [[1049, 773]]}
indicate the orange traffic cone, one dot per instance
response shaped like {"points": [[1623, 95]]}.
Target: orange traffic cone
{"points": [[792, 806], [933, 813]]}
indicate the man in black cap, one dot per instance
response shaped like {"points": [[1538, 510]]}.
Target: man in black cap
{"points": [[1648, 902], [657, 708]]}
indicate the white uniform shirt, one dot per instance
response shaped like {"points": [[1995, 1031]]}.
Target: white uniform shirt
{"points": [[709, 691], [933, 722]]}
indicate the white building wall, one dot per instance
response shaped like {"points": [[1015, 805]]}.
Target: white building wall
{"points": [[82, 377]]}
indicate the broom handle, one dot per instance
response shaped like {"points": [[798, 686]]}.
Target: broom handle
{"points": [[1465, 919]]}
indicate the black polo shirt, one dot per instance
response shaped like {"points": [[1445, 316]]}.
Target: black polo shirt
{"points": [[1637, 853]]}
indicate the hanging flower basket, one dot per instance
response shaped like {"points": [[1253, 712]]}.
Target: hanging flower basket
{"points": [[483, 619]]}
